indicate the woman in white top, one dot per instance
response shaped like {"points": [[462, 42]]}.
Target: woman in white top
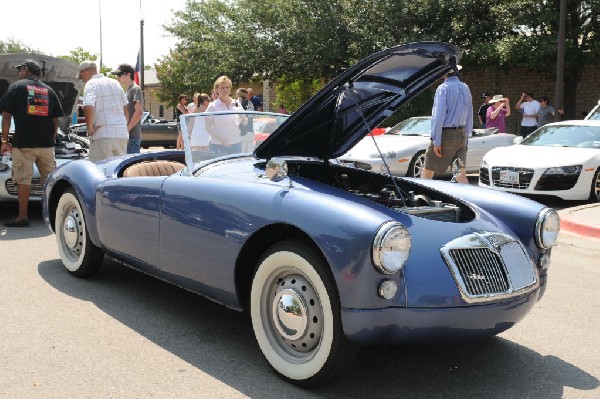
{"points": [[224, 130], [200, 138]]}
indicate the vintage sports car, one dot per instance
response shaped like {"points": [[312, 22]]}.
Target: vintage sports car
{"points": [[402, 148], [60, 75], [560, 159], [324, 257]]}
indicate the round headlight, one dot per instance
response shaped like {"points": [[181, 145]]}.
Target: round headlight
{"points": [[391, 248], [547, 228]]}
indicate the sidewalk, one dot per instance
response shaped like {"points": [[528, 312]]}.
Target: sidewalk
{"points": [[581, 220]]}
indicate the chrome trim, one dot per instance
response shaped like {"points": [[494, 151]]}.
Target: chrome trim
{"points": [[378, 246], [490, 266], [539, 224]]}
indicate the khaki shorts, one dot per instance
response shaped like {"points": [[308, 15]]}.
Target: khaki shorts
{"points": [[23, 160], [105, 148], [454, 146]]}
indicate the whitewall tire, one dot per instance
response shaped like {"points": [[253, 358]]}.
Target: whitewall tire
{"points": [[77, 252], [295, 315]]}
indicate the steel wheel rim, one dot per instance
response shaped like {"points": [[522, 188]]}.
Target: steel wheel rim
{"points": [[295, 335], [72, 231]]}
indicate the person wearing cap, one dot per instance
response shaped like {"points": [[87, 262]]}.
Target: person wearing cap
{"points": [[546, 112], [451, 125], [35, 108], [530, 109], [135, 106], [497, 112], [105, 109], [482, 113]]}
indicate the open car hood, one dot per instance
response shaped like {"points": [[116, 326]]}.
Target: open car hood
{"points": [[56, 73], [351, 105]]}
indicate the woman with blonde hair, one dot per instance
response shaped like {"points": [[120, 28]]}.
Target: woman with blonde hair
{"points": [[225, 131]]}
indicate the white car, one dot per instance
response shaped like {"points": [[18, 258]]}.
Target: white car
{"points": [[403, 148], [561, 159]]}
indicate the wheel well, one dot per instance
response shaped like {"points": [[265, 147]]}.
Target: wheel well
{"points": [[256, 246], [59, 188]]}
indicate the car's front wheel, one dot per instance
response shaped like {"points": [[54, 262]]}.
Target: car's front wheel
{"points": [[78, 253], [595, 190], [296, 318], [415, 168]]}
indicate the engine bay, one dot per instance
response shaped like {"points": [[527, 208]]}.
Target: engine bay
{"points": [[399, 194]]}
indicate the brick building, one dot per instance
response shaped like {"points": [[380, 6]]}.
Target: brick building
{"points": [[510, 83]]}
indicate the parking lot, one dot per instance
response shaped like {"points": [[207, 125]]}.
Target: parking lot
{"points": [[124, 334]]}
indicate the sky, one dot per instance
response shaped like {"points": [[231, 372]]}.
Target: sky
{"points": [[56, 27]]}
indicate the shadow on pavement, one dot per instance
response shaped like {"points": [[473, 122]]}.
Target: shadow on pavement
{"points": [[220, 342]]}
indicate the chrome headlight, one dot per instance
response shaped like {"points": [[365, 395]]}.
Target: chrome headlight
{"points": [[547, 228], [564, 170], [391, 247]]}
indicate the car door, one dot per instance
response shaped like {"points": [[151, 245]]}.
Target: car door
{"points": [[128, 216]]}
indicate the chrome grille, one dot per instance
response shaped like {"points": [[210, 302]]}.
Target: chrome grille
{"points": [[481, 270], [489, 266], [36, 187]]}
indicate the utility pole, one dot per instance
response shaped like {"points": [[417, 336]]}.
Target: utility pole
{"points": [[142, 53], [100, 18], [559, 93]]}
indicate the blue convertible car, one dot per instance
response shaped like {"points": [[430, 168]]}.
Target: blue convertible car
{"points": [[324, 257]]}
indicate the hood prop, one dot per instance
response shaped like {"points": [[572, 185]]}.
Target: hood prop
{"points": [[401, 194]]}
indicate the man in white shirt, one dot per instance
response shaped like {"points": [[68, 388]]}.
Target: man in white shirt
{"points": [[530, 109], [105, 109]]}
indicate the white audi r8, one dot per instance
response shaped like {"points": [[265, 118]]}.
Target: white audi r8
{"points": [[560, 159], [403, 148]]}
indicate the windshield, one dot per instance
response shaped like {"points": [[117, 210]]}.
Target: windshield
{"points": [[594, 114], [565, 136], [209, 135], [412, 127]]}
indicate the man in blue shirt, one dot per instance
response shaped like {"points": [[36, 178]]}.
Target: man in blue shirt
{"points": [[451, 125]]}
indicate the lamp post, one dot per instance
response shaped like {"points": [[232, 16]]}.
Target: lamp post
{"points": [[100, 19]]}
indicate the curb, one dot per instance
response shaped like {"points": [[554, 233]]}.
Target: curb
{"points": [[575, 225]]}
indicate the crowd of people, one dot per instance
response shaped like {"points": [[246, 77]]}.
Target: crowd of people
{"points": [[204, 134]]}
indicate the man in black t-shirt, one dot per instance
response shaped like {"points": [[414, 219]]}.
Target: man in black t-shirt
{"points": [[35, 108], [482, 113]]}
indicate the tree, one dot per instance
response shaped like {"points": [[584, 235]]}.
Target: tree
{"points": [[11, 45], [79, 54]]}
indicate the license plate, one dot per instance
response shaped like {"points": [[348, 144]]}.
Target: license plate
{"points": [[509, 177]]}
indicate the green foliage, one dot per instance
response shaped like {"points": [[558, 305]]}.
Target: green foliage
{"points": [[305, 40], [294, 93], [11, 45]]}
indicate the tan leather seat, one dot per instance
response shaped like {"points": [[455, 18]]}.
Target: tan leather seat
{"points": [[153, 168]]}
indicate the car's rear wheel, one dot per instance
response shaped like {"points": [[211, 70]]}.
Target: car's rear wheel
{"points": [[296, 318], [78, 253], [595, 190], [416, 165]]}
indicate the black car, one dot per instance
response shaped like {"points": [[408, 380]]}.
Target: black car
{"points": [[155, 132]]}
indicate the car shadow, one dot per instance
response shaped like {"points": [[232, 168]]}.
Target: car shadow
{"points": [[220, 342], [37, 228]]}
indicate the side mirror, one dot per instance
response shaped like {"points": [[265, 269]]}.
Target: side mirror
{"points": [[518, 140], [276, 169]]}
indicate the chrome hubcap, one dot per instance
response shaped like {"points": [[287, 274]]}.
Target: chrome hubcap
{"points": [[71, 232], [296, 313]]}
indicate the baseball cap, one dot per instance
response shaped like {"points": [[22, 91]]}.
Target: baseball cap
{"points": [[123, 68], [486, 94], [32, 65], [86, 65]]}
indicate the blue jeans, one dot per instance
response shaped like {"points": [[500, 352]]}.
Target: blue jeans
{"points": [[226, 150], [133, 145]]}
